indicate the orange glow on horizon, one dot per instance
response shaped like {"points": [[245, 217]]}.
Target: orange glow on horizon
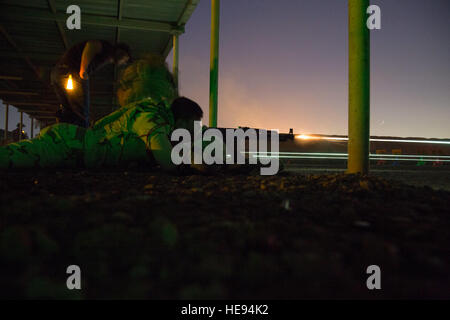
{"points": [[305, 137]]}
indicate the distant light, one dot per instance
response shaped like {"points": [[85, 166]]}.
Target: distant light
{"points": [[336, 138], [344, 156], [69, 83], [308, 137]]}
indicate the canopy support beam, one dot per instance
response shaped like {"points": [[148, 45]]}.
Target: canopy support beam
{"points": [[6, 120], [214, 63], [21, 126], [359, 88], [176, 52]]}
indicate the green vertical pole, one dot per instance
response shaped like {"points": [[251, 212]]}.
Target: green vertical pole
{"points": [[214, 63], [6, 121], [21, 126], [359, 87], [175, 58]]}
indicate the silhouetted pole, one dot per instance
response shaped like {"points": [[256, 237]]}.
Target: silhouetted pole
{"points": [[176, 43], [21, 126], [359, 87], [214, 63], [32, 128], [6, 121], [87, 101]]}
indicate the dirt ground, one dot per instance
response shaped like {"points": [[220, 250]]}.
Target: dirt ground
{"points": [[156, 236]]}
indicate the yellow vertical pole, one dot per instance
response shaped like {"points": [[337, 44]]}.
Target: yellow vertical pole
{"points": [[359, 88], [214, 63], [6, 121], [21, 126], [176, 52]]}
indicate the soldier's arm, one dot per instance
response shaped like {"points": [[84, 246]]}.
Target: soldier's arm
{"points": [[91, 49]]}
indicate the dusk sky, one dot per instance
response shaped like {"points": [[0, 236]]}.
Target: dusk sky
{"points": [[283, 64]]}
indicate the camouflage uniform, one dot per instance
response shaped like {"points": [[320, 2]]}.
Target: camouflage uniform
{"points": [[117, 139]]}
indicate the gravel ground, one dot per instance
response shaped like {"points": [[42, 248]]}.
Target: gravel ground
{"points": [[156, 236], [436, 178]]}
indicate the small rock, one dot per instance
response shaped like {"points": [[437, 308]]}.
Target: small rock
{"points": [[361, 224], [286, 205]]}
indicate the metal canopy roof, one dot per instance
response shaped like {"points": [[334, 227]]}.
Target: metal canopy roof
{"points": [[34, 35]]}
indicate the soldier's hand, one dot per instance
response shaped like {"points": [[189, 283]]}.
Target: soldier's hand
{"points": [[84, 75]]}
